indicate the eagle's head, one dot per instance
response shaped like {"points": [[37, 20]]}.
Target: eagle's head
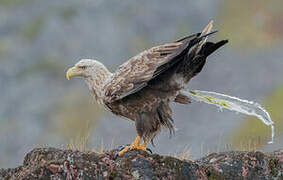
{"points": [[96, 75], [86, 68]]}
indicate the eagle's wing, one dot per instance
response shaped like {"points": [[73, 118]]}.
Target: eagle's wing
{"points": [[134, 74]]}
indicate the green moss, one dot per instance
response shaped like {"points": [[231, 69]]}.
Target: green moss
{"points": [[31, 30]]}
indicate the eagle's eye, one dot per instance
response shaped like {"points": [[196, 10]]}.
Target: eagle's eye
{"points": [[82, 67]]}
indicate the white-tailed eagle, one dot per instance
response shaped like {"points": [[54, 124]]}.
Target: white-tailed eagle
{"points": [[142, 88]]}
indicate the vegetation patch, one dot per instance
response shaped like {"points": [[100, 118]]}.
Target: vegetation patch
{"points": [[252, 134], [31, 30], [11, 3]]}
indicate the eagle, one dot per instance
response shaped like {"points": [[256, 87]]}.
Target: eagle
{"points": [[142, 88]]}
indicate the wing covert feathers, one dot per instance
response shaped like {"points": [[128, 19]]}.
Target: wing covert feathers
{"points": [[133, 75]]}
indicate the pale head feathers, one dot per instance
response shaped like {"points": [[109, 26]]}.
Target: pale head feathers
{"points": [[95, 74], [91, 67]]}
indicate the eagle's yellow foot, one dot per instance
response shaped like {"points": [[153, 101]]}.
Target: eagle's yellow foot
{"points": [[134, 145]]}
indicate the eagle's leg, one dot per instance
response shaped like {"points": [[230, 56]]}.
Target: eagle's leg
{"points": [[134, 145]]}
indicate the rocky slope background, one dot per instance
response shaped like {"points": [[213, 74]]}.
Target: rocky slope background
{"points": [[52, 163]]}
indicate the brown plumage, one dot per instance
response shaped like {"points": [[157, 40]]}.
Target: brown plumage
{"points": [[142, 88]]}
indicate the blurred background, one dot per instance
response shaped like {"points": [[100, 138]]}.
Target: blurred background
{"points": [[40, 39]]}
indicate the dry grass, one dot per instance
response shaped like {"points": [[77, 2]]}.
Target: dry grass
{"points": [[81, 142], [250, 144], [82, 146], [184, 155]]}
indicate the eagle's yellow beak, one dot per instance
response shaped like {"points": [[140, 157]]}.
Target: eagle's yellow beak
{"points": [[74, 71]]}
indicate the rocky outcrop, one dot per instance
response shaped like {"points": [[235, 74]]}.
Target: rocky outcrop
{"points": [[51, 163]]}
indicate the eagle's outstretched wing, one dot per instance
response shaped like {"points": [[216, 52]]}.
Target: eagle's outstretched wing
{"points": [[134, 74]]}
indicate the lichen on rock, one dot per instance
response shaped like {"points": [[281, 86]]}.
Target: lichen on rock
{"points": [[52, 163]]}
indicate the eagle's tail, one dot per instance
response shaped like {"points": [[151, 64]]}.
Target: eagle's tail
{"points": [[196, 57], [203, 49], [209, 47], [199, 59]]}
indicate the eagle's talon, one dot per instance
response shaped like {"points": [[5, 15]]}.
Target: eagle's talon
{"points": [[121, 147], [134, 145], [149, 150], [123, 150], [116, 154]]}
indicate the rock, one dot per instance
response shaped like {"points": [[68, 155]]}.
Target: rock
{"points": [[52, 163]]}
